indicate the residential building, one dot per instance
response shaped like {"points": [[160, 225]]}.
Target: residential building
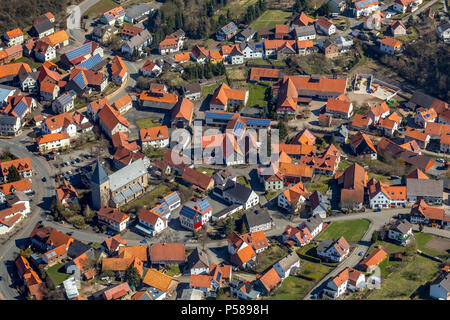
{"points": [[64, 103], [326, 26], [44, 51], [334, 251], [167, 253], [138, 12], [440, 287], [236, 193], [362, 146], [114, 16], [288, 266], [401, 232], [431, 191], [155, 137], [422, 213], [443, 31], [225, 97], [385, 196], [42, 29], [111, 121], [390, 45], [62, 122], [13, 37], [198, 262], [151, 223], [193, 218], [293, 198], [373, 260], [113, 218], [23, 165], [347, 279], [258, 220], [365, 7], [226, 32]]}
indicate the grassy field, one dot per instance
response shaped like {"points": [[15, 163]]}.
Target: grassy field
{"points": [[269, 257], [208, 171], [296, 287], [104, 5], [422, 239], [321, 185], [33, 64], [352, 230], [270, 18], [206, 90], [405, 282], [173, 270], [256, 95], [56, 276], [344, 165], [147, 123], [148, 200]]}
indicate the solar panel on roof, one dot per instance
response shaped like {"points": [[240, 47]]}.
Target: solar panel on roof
{"points": [[65, 98], [79, 80], [80, 51], [238, 128], [92, 61], [188, 212], [258, 122], [20, 108], [172, 198], [362, 4], [204, 205], [223, 116]]}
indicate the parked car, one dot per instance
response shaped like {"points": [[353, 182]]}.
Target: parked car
{"points": [[361, 253], [44, 179], [77, 160], [441, 160]]}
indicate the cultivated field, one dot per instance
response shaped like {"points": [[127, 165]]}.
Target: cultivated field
{"points": [[270, 18]]}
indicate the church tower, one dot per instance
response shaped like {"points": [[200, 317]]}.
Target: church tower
{"points": [[100, 187]]}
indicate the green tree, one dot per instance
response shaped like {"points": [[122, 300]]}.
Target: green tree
{"points": [[243, 228], [88, 214], [229, 226], [375, 237], [283, 130], [13, 174], [132, 276]]}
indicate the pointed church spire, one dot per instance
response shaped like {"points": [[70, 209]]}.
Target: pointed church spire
{"points": [[99, 176]]}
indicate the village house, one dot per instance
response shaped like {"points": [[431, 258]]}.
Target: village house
{"points": [[362, 146], [13, 37], [226, 32], [62, 122], [293, 198], [288, 266], [244, 248], [353, 182], [326, 26], [44, 51], [440, 287], [268, 282], [111, 121], [373, 260], [423, 117], [113, 218], [114, 16], [167, 253], [53, 243], [170, 44], [193, 218], [443, 31], [236, 193], [23, 166], [192, 91], [139, 12], [42, 29], [137, 43], [401, 232], [365, 7], [182, 113], [151, 69], [339, 108], [398, 28], [390, 45], [304, 32], [422, 213], [155, 137], [385, 196], [258, 220], [225, 97], [64, 103], [334, 251], [198, 262], [347, 279], [151, 223], [49, 91], [160, 286]]}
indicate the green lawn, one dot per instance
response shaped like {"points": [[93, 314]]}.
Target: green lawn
{"points": [[321, 185], [33, 64], [422, 239], [256, 95], [208, 171], [149, 199], [270, 18], [243, 181], [174, 270], [403, 283], [343, 165], [147, 123], [296, 287], [206, 90], [271, 194], [352, 230], [56, 276], [269, 257]]}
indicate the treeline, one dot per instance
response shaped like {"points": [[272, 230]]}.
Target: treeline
{"points": [[254, 11], [195, 17], [20, 13], [426, 64], [203, 71]]}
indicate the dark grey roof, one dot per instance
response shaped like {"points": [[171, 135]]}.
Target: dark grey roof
{"points": [[343, 131], [99, 176], [139, 39], [247, 32], [229, 28], [402, 225], [288, 261], [225, 211], [312, 223], [424, 188], [237, 191], [179, 33], [138, 10], [7, 119], [444, 26], [23, 74], [324, 245], [421, 99], [198, 259], [193, 87], [43, 26], [257, 218], [444, 281], [304, 30], [318, 200], [77, 248]]}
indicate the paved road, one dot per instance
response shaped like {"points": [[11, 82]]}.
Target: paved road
{"points": [[421, 9], [43, 197], [377, 220], [78, 34]]}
